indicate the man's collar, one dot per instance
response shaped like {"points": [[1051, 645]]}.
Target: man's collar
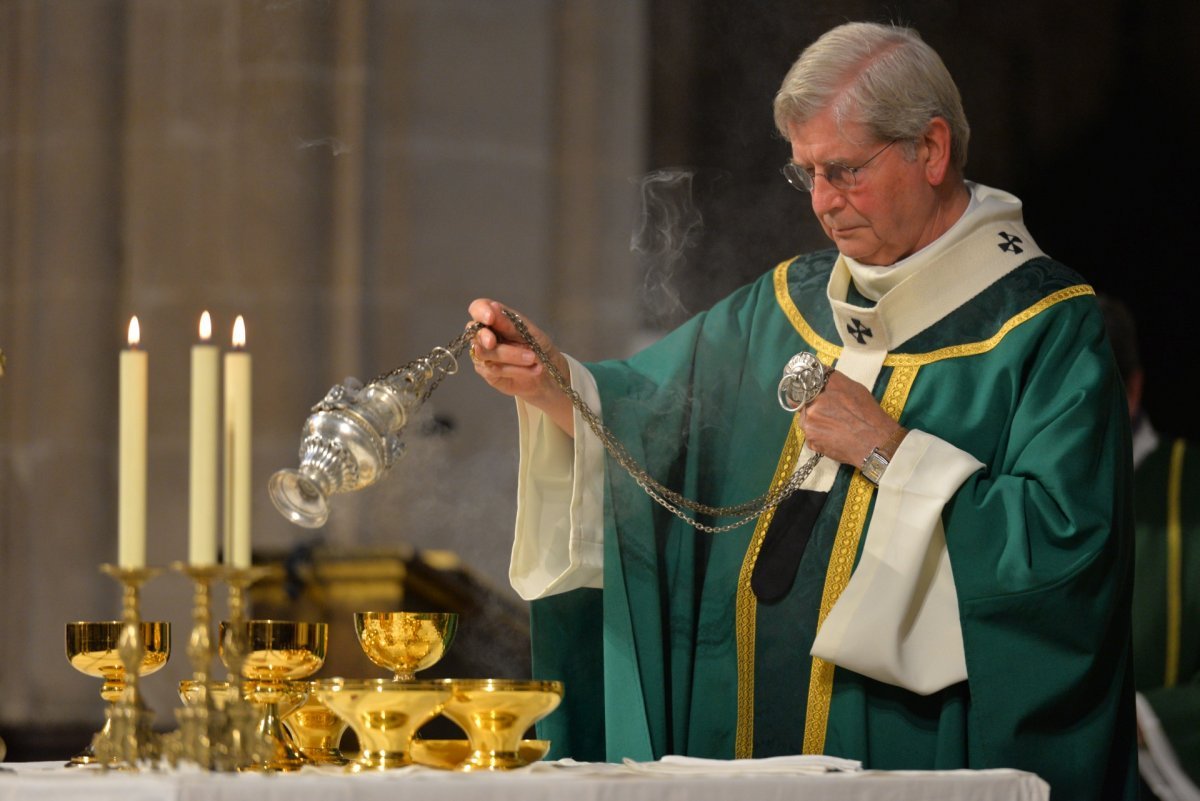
{"points": [[987, 242]]}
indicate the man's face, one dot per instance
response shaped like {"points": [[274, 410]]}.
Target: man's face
{"points": [[889, 213]]}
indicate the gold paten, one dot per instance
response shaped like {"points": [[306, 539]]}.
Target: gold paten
{"points": [[495, 714], [384, 714], [449, 754], [405, 642], [93, 649]]}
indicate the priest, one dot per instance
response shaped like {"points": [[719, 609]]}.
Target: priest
{"points": [[874, 504]]}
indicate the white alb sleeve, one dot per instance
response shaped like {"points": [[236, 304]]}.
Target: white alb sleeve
{"points": [[558, 543], [897, 620]]}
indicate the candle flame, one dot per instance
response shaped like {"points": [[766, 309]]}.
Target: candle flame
{"points": [[239, 332], [135, 332], [205, 327]]}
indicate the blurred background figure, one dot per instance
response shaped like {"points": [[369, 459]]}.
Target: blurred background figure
{"points": [[1166, 598]]}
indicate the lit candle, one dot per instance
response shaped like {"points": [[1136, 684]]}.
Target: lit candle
{"points": [[202, 518], [237, 450], [131, 498]]}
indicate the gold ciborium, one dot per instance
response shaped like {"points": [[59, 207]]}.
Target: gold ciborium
{"points": [[276, 654], [93, 649], [384, 714], [317, 731], [495, 714], [405, 642]]}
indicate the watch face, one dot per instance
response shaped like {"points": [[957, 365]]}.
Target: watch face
{"points": [[873, 467]]}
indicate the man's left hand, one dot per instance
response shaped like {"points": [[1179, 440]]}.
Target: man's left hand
{"points": [[845, 422]]}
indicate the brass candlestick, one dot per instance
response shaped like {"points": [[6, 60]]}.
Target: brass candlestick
{"points": [[129, 741], [239, 580], [233, 651], [200, 648], [243, 746], [201, 724]]}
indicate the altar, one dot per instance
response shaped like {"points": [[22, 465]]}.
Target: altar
{"points": [[543, 781]]}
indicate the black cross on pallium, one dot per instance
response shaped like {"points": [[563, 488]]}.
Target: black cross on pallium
{"points": [[859, 331], [1011, 243]]}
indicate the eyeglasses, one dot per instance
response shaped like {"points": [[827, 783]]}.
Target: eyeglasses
{"points": [[839, 176]]}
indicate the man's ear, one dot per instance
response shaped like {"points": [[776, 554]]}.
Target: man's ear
{"points": [[934, 147]]}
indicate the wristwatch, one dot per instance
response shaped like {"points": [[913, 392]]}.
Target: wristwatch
{"points": [[879, 458]]}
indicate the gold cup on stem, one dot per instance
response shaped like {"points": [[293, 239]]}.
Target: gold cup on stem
{"points": [[495, 714], [276, 655], [384, 714], [405, 642], [93, 648]]}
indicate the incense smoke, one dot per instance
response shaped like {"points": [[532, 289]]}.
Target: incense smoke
{"points": [[671, 226]]}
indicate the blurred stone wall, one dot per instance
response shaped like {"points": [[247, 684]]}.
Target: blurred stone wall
{"points": [[348, 176]]}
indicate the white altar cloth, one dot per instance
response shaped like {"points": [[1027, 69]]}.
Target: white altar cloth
{"points": [[545, 781]]}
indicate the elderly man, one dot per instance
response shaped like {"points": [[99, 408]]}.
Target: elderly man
{"points": [[949, 584]]}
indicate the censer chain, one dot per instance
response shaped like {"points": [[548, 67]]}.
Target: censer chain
{"points": [[665, 497], [431, 369]]}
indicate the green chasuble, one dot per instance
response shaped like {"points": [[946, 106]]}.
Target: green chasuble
{"points": [[1166, 598], [676, 655]]}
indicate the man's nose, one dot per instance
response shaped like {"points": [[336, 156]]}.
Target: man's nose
{"points": [[825, 196]]}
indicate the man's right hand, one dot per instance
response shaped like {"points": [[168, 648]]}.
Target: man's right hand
{"points": [[510, 366]]}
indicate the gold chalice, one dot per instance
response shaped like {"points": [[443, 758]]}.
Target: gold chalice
{"points": [[275, 654], [317, 731], [405, 642], [495, 714], [93, 649], [384, 714]]}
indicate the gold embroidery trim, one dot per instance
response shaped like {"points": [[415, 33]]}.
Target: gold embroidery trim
{"points": [[841, 565], [976, 348], [827, 350], [746, 605], [1174, 563]]}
